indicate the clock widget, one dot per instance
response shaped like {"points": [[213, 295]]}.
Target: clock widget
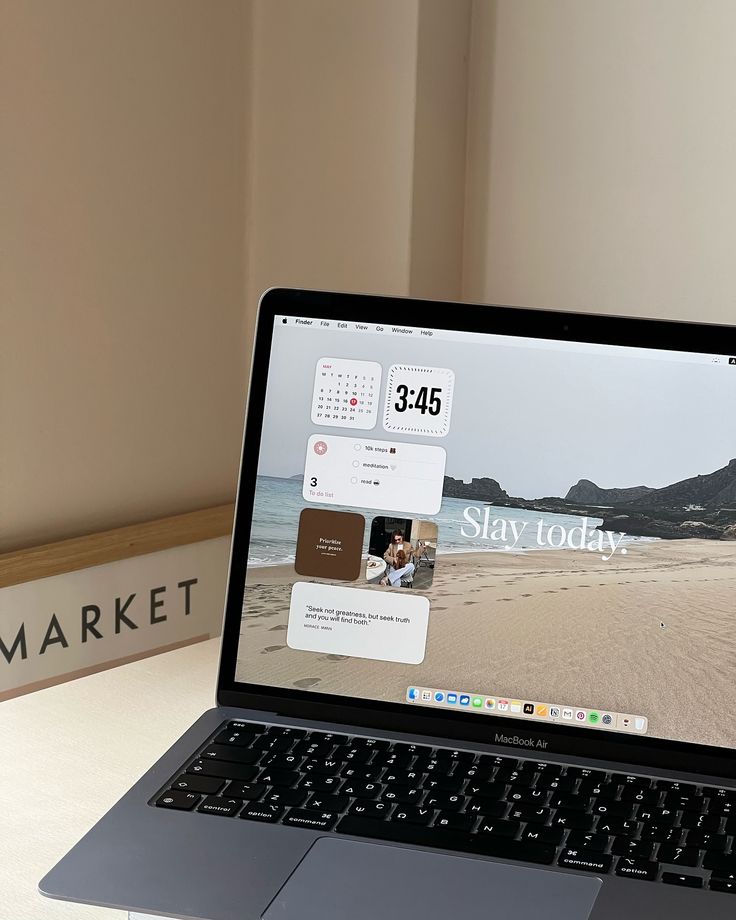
{"points": [[418, 400]]}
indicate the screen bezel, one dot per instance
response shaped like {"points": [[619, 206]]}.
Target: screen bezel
{"points": [[403, 717]]}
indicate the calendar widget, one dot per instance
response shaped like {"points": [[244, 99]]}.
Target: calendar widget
{"points": [[419, 400], [365, 473], [345, 393]]}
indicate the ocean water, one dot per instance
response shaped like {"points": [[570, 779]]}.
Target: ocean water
{"points": [[278, 503]]}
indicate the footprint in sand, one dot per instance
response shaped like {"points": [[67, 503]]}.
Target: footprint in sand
{"points": [[275, 628], [505, 598], [307, 682], [465, 603], [334, 657], [527, 595], [439, 608], [271, 648]]}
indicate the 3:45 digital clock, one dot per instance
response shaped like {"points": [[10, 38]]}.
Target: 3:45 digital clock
{"points": [[418, 400]]}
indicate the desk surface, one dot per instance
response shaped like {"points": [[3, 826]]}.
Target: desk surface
{"points": [[71, 751]]}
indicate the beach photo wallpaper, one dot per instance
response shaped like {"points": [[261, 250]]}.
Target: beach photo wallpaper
{"points": [[584, 547]]}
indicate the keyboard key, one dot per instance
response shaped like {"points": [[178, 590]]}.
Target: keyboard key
{"points": [[701, 822], [441, 783], [367, 809], [575, 820], [538, 834], [375, 744], [660, 834], [207, 785], [639, 796], [485, 790], [284, 778], [487, 844], [269, 814], [249, 791], [523, 796], [371, 774], [231, 753], [567, 800], [678, 856], [704, 840], [361, 790], [499, 828], [304, 817], [240, 771], [578, 840], [628, 780], [491, 809], [686, 881], [402, 796], [216, 805], [527, 813], [455, 821], [321, 783], [281, 761], [684, 801], [244, 739], [274, 744], [719, 884], [617, 827], [174, 798], [447, 801], [239, 726], [287, 731], [410, 814], [613, 809], [649, 815], [318, 801], [281, 796], [585, 860], [324, 766], [643, 869], [722, 864], [625, 846]]}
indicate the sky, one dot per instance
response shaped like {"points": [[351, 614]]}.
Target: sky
{"points": [[535, 420]]}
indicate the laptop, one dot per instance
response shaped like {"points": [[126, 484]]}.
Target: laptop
{"points": [[479, 648]]}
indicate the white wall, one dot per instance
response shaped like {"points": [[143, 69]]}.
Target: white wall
{"points": [[602, 144]]}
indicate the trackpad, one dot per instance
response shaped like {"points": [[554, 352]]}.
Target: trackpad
{"points": [[368, 881]]}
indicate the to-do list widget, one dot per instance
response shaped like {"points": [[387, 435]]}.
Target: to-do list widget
{"points": [[345, 393], [366, 473]]}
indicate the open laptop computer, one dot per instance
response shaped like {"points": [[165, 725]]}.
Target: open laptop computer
{"points": [[479, 648]]}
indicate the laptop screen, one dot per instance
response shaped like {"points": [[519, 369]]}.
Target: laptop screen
{"points": [[537, 530]]}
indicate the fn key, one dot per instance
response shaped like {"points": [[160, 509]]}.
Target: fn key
{"points": [[175, 798]]}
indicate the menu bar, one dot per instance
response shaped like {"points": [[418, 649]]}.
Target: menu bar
{"points": [[531, 710], [509, 341]]}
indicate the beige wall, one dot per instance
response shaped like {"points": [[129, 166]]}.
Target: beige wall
{"points": [[333, 130], [601, 162], [164, 162], [122, 335]]}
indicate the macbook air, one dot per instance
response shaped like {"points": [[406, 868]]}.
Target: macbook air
{"points": [[479, 645]]}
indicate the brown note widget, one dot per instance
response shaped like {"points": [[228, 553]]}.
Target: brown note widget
{"points": [[330, 544]]}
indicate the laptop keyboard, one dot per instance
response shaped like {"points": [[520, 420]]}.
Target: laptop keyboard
{"points": [[589, 820]]}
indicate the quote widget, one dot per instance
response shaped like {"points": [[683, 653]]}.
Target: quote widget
{"points": [[358, 622]]}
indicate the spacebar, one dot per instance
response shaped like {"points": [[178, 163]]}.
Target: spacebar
{"points": [[485, 845]]}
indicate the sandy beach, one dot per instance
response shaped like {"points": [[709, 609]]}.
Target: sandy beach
{"points": [[557, 626]]}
